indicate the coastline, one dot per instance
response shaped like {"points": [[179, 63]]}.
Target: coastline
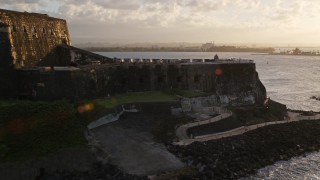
{"points": [[227, 158], [290, 54], [240, 156]]}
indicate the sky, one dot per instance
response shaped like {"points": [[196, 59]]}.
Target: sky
{"points": [[272, 22]]}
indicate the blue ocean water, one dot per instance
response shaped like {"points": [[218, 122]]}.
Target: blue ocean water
{"points": [[291, 80]]}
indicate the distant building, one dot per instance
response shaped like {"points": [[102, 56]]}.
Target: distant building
{"points": [[207, 46]]}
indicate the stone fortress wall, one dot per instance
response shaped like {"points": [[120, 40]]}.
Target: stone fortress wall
{"points": [[35, 46], [30, 37], [238, 81], [220, 78]]}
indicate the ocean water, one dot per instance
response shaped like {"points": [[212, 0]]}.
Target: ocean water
{"points": [[290, 80], [307, 168]]}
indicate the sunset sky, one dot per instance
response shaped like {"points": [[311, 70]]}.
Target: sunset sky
{"points": [[198, 21]]}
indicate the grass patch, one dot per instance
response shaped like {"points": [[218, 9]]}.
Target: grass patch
{"points": [[32, 129], [150, 96], [8, 103], [185, 93], [36, 128]]}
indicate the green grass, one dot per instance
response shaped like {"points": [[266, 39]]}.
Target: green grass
{"points": [[184, 93], [32, 129], [7, 103], [152, 96], [36, 128]]}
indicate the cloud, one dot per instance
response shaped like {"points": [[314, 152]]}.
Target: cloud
{"points": [[87, 12], [207, 5], [150, 18], [152, 13], [25, 5], [15, 3], [212, 5]]}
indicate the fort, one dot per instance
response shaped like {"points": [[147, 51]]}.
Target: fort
{"points": [[37, 56], [29, 38], [38, 62]]}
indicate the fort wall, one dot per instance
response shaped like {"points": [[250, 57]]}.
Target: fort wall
{"points": [[29, 38], [238, 79], [33, 45], [235, 80]]}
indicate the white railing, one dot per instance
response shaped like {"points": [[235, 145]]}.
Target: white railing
{"points": [[176, 61]]}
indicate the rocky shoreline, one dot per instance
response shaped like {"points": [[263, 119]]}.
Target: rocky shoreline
{"points": [[227, 158], [240, 156]]}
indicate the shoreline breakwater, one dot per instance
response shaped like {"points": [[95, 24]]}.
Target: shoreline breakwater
{"points": [[240, 156]]}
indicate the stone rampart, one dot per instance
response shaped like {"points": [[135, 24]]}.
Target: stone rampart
{"points": [[240, 82], [237, 84], [30, 37], [30, 40]]}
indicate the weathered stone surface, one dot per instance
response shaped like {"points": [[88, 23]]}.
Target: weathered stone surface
{"points": [[99, 81], [237, 79], [30, 36]]}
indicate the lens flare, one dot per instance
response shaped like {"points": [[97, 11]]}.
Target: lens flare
{"points": [[85, 107], [88, 107], [218, 72]]}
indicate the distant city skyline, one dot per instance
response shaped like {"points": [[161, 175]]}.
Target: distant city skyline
{"points": [[260, 22]]}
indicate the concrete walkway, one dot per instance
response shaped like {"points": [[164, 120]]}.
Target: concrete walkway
{"points": [[181, 131], [109, 118], [292, 117]]}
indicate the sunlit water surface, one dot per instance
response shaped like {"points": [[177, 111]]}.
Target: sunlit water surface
{"points": [[290, 80]]}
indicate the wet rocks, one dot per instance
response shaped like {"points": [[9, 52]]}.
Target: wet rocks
{"points": [[239, 156]]}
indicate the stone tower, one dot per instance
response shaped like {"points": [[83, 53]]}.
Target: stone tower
{"points": [[30, 39]]}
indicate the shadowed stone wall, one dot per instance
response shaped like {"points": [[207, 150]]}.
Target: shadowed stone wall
{"points": [[215, 78], [56, 83], [236, 80]]}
